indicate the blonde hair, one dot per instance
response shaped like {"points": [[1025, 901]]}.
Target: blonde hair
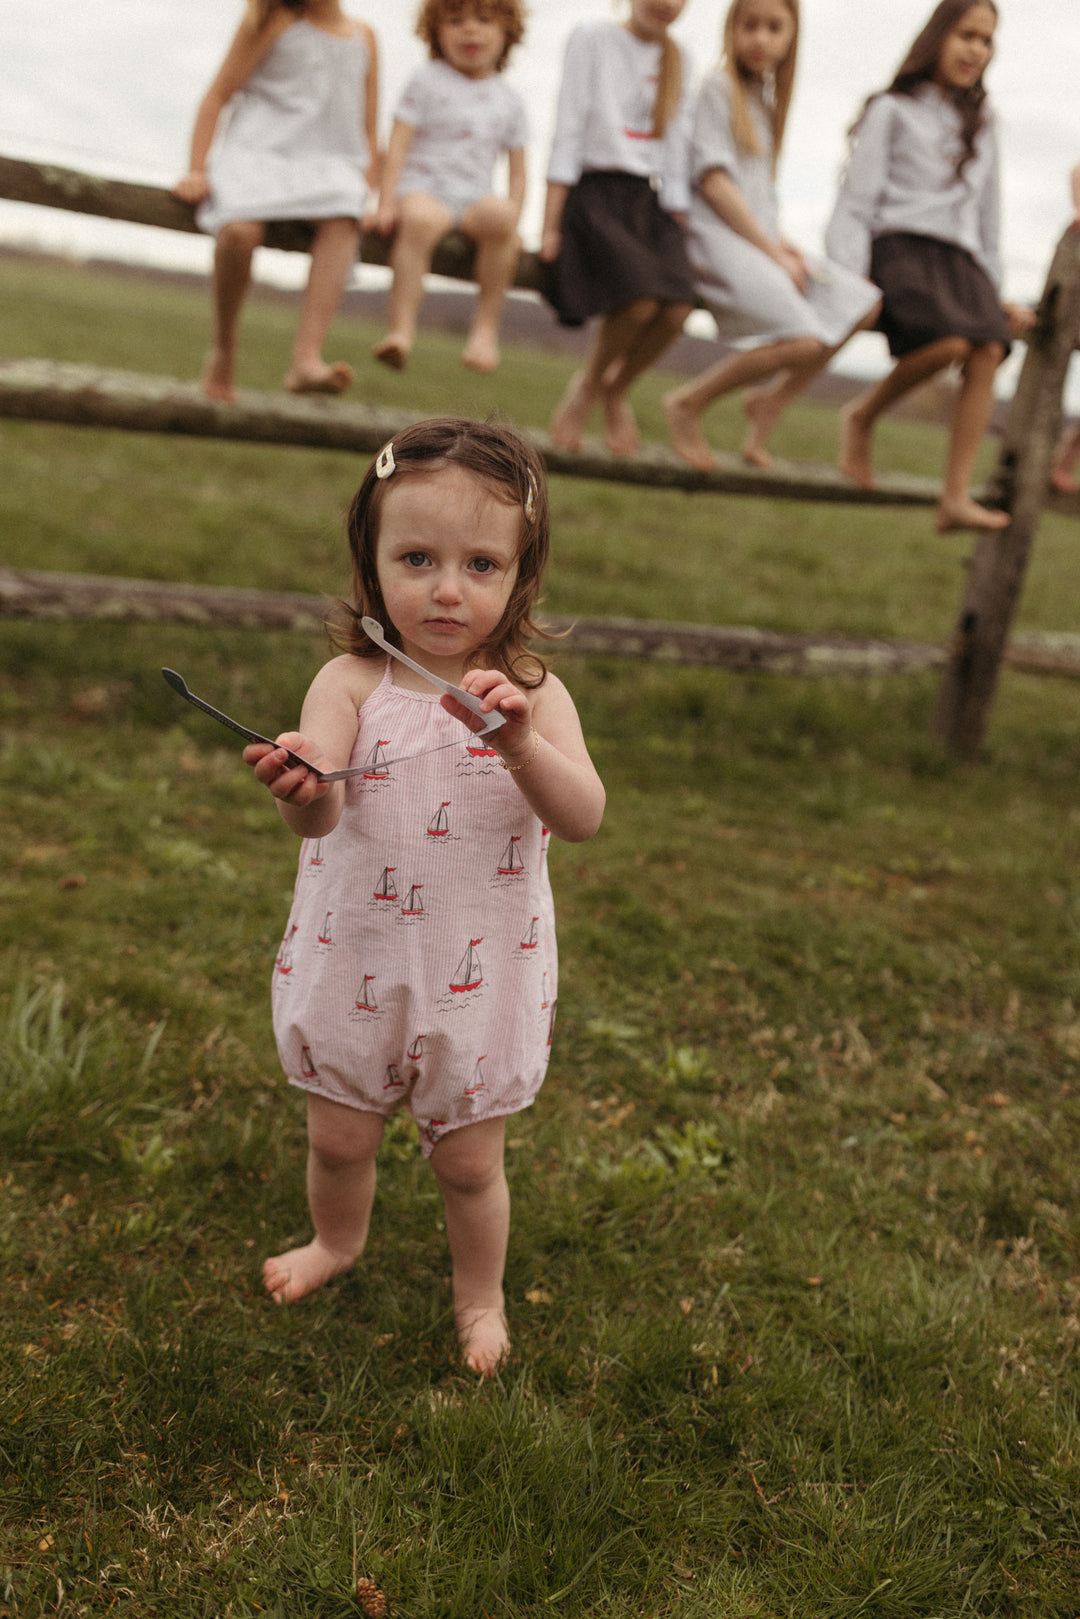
{"points": [[259, 12], [742, 122], [668, 86], [510, 14]]}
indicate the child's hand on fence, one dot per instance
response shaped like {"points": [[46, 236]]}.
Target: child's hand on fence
{"points": [[514, 739], [292, 784], [194, 187], [550, 242]]}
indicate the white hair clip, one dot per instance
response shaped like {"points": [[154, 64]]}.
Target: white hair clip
{"points": [[384, 461], [530, 498]]}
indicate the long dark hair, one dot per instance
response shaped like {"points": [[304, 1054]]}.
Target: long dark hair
{"points": [[920, 65], [510, 470]]}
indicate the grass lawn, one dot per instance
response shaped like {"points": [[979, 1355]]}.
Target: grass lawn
{"points": [[795, 1260]]}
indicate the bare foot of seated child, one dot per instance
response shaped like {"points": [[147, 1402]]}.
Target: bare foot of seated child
{"points": [[955, 514], [288, 1277], [217, 376], [393, 351], [687, 439], [855, 443], [481, 352], [572, 413], [321, 379], [763, 411]]}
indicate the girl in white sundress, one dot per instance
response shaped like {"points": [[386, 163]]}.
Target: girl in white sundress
{"points": [[786, 314], [418, 966], [299, 91]]}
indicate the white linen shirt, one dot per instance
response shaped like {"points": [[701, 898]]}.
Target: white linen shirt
{"points": [[902, 177], [462, 127], [604, 116]]}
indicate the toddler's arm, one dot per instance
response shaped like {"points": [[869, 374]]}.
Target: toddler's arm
{"points": [[249, 46], [542, 744], [311, 807]]}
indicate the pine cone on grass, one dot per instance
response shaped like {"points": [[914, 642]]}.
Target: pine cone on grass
{"points": [[371, 1600]]}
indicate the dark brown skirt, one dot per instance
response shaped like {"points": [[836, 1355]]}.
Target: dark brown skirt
{"points": [[932, 289], [618, 245]]}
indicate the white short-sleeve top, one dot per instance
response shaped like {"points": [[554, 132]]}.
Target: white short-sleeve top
{"points": [[462, 126]]}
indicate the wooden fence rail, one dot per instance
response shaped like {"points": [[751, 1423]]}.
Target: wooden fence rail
{"points": [[49, 391]]}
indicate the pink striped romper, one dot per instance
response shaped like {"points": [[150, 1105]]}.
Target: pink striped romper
{"points": [[418, 967]]}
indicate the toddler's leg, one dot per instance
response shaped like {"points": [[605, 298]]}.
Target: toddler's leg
{"points": [[233, 250], [422, 222], [342, 1143], [492, 224], [956, 508], [858, 419], [469, 1166], [333, 254]]}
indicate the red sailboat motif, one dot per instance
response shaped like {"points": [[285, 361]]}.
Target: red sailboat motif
{"points": [[375, 767], [307, 1063], [325, 936], [551, 1020], [544, 996], [470, 974], [416, 1050], [316, 857], [532, 938], [386, 888], [439, 825], [364, 1002], [480, 750], [478, 1079], [284, 962], [393, 1080], [511, 864], [432, 1129], [413, 906]]}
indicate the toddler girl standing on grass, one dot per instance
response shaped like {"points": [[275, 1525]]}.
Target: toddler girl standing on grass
{"points": [[299, 85], [918, 212], [455, 119], [613, 243], [787, 315], [418, 967]]}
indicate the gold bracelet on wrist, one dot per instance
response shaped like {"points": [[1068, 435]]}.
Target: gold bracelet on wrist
{"points": [[531, 757]]}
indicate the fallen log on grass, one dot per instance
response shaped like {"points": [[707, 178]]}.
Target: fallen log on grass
{"points": [[69, 597], [94, 396]]}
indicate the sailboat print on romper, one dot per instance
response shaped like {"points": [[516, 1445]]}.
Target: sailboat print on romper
{"points": [[532, 937], [365, 1007], [511, 864], [416, 1050], [469, 974], [375, 766], [478, 1079], [393, 1080], [413, 907], [284, 962], [307, 1064], [439, 825], [325, 937], [386, 888], [316, 858]]}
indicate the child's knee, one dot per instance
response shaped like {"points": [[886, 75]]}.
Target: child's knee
{"points": [[242, 235], [469, 1160]]}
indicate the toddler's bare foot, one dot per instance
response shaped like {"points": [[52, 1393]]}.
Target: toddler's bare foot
{"points": [[320, 379], [567, 425], [855, 462], [687, 439], [484, 1338], [481, 352], [967, 513], [217, 376], [392, 351], [763, 411], [1063, 482], [620, 425], [288, 1277]]}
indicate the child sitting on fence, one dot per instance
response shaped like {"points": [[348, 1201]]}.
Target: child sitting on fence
{"points": [[918, 212], [455, 119], [617, 189], [298, 88], [786, 315]]}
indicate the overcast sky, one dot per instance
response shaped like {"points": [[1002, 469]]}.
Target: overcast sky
{"points": [[111, 86]]}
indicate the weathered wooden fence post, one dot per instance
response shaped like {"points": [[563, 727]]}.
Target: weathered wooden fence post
{"points": [[998, 565]]}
